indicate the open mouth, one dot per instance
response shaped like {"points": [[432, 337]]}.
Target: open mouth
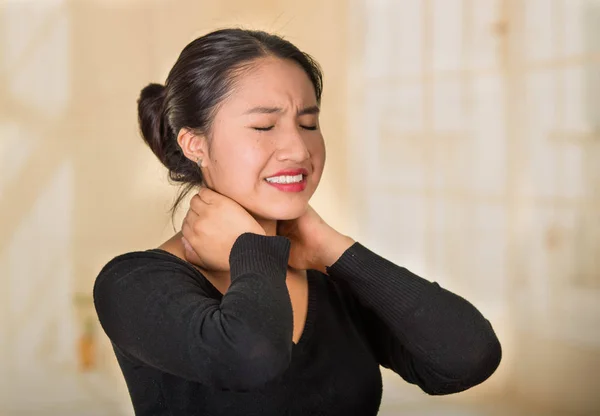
{"points": [[295, 183], [286, 179]]}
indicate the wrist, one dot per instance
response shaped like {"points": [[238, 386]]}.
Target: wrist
{"points": [[333, 248]]}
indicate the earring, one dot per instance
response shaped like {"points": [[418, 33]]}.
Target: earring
{"points": [[199, 162]]}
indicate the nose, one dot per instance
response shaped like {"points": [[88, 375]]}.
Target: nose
{"points": [[292, 146]]}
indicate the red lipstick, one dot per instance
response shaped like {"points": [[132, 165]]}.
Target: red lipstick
{"points": [[290, 187]]}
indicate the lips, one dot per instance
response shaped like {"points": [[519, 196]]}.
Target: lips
{"points": [[290, 187], [290, 172]]}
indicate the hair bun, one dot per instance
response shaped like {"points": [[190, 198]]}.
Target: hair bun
{"points": [[152, 92], [153, 127]]}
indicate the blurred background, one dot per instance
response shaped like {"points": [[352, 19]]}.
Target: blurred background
{"points": [[463, 143]]}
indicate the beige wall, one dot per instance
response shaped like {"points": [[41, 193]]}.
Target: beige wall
{"points": [[481, 172], [78, 186], [439, 129]]}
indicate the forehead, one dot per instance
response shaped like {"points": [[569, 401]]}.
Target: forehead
{"points": [[273, 81]]}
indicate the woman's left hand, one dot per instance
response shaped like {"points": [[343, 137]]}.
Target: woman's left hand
{"points": [[315, 244]]}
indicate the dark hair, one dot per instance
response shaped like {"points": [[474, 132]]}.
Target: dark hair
{"points": [[198, 82]]}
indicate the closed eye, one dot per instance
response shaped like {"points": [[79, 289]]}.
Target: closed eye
{"points": [[271, 127]]}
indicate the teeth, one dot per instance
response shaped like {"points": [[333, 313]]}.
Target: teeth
{"points": [[285, 179]]}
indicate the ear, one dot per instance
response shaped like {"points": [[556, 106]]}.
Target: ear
{"points": [[194, 146]]}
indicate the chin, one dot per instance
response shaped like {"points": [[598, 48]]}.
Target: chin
{"points": [[286, 212]]}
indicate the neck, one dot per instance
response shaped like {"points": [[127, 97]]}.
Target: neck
{"points": [[270, 226], [220, 279]]}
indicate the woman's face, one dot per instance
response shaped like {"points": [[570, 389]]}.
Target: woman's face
{"points": [[267, 151]]}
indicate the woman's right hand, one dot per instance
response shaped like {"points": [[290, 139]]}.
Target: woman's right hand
{"points": [[210, 228]]}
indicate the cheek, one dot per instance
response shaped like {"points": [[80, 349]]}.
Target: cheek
{"points": [[253, 158], [318, 153], [241, 163]]}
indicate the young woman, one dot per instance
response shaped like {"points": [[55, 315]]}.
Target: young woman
{"points": [[258, 307]]}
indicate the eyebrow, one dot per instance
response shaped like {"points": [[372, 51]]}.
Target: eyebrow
{"points": [[271, 110]]}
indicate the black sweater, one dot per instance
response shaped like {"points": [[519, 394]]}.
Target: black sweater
{"points": [[185, 349]]}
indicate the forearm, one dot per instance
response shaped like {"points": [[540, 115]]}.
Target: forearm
{"points": [[161, 314], [438, 328]]}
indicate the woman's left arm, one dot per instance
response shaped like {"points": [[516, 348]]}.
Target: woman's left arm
{"points": [[428, 335]]}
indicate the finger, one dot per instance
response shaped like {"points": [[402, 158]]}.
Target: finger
{"points": [[185, 231], [201, 200], [195, 210], [188, 249], [189, 218], [188, 232], [186, 245], [207, 196], [196, 203]]}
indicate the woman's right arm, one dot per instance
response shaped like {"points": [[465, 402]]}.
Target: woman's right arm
{"points": [[160, 315]]}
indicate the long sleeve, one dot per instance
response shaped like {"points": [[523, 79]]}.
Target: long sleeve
{"points": [[431, 337], [158, 313]]}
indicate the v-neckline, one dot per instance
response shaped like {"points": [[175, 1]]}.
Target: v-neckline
{"points": [[310, 309]]}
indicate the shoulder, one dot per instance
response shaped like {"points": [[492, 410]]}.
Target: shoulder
{"points": [[147, 261], [143, 271]]}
